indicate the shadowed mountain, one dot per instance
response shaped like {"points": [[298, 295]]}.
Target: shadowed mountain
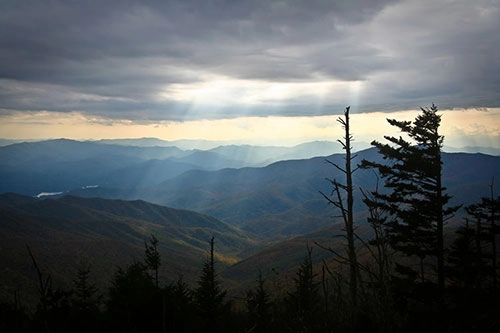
{"points": [[62, 165], [107, 233]]}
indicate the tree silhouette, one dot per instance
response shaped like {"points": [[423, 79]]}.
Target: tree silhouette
{"points": [[209, 295], [259, 307], [86, 296], [465, 264], [85, 301], [152, 257], [416, 197], [305, 301], [346, 207], [180, 307], [131, 304], [53, 309], [472, 268], [486, 215]]}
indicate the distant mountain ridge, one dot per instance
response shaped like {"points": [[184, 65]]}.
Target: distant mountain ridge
{"points": [[280, 199], [283, 198], [61, 165]]}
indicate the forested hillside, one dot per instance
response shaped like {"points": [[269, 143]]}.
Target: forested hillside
{"points": [[69, 231]]}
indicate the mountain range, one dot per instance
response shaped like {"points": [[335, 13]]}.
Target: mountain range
{"points": [[62, 165], [283, 198], [263, 204]]}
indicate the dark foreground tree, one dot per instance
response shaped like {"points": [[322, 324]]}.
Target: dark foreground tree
{"points": [[209, 296], [85, 302], [132, 304], [342, 197], [259, 308], [486, 217], [152, 257], [379, 294], [180, 307], [304, 301], [472, 269], [415, 195]]}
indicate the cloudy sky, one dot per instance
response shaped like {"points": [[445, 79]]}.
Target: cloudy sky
{"points": [[247, 70]]}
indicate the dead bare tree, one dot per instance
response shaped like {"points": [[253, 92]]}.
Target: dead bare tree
{"points": [[44, 287], [342, 197]]}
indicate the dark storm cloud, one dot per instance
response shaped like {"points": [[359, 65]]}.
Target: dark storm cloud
{"points": [[123, 59]]}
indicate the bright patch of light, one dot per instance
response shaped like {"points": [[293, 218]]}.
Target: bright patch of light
{"points": [[355, 88], [228, 91]]}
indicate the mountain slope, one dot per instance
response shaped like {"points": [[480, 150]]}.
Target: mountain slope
{"points": [[107, 233]]}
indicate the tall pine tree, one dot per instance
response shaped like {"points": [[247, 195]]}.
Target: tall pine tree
{"points": [[210, 296], [415, 196], [152, 256]]}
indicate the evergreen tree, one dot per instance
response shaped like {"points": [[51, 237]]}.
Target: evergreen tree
{"points": [[131, 304], [180, 308], [416, 197], [85, 301], [152, 256], [85, 296], [472, 268], [465, 265], [209, 295], [305, 301], [486, 215], [259, 307]]}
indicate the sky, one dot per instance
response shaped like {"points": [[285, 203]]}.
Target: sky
{"points": [[270, 72]]}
